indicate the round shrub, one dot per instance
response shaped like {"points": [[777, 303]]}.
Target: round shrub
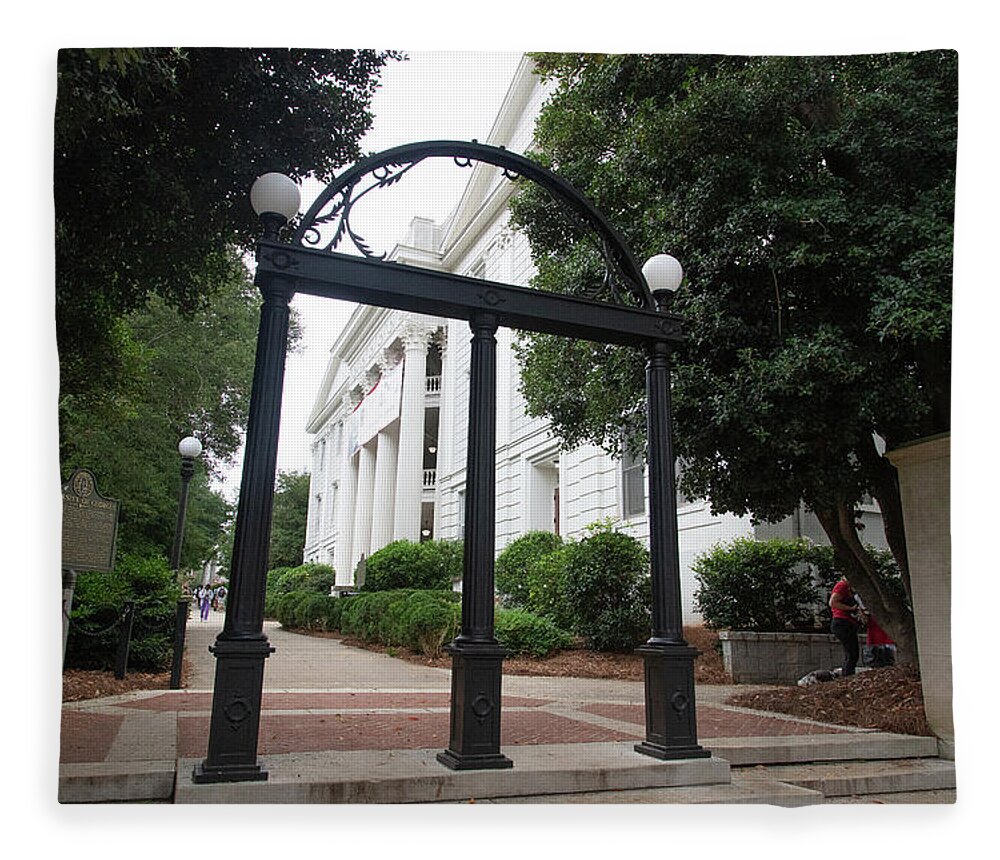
{"points": [[522, 632], [442, 561], [513, 582], [99, 601], [761, 586], [608, 590], [405, 564], [364, 614], [547, 588]]}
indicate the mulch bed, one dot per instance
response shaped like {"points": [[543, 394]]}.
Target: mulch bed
{"points": [[80, 684], [888, 699]]}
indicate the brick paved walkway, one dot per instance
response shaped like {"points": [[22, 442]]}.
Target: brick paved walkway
{"points": [[341, 721], [322, 696]]}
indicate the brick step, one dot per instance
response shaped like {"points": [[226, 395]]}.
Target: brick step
{"points": [[868, 777]]}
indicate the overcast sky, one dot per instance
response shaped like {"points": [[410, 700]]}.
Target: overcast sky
{"points": [[432, 95]]}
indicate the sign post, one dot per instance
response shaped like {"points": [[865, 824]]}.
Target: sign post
{"points": [[89, 535]]}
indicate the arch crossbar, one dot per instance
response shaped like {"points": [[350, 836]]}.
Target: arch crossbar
{"points": [[327, 224]]}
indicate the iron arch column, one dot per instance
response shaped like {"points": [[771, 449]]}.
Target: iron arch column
{"points": [[671, 729], [242, 647], [477, 657]]}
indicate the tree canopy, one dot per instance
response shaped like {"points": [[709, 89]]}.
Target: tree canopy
{"points": [[811, 203], [288, 520], [156, 321], [155, 153], [184, 375]]}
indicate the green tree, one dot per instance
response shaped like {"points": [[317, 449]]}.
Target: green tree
{"points": [[811, 202], [289, 517], [155, 153], [185, 375]]}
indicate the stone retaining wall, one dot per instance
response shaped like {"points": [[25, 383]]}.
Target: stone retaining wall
{"points": [[777, 658]]}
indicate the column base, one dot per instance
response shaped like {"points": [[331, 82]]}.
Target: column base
{"points": [[454, 761], [671, 728], [204, 774], [236, 702], [672, 753], [474, 741]]}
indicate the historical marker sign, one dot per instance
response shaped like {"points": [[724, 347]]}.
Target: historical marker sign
{"points": [[90, 525]]}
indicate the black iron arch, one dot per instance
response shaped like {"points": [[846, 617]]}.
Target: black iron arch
{"points": [[334, 206], [310, 264]]}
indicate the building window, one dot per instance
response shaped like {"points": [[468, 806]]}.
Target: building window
{"points": [[633, 489], [318, 513]]}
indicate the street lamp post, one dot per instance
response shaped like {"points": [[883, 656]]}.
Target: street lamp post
{"points": [[189, 449]]}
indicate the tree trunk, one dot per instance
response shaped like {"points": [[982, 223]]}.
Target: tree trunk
{"points": [[886, 493], [891, 612]]}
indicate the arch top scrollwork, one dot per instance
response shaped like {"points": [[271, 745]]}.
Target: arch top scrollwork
{"points": [[327, 224]]}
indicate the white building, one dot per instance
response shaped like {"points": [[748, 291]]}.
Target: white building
{"points": [[391, 416]]}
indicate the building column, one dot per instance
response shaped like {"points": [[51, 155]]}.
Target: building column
{"points": [[410, 456], [346, 494], [384, 488], [446, 417], [363, 505]]}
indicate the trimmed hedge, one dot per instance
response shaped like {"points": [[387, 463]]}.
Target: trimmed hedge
{"points": [[421, 620], [547, 577], [522, 632]]}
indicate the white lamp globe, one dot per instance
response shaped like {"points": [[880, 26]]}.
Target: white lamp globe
{"points": [[189, 447], [277, 193], [663, 272]]}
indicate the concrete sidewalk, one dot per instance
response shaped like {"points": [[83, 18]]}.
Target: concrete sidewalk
{"points": [[341, 724]]}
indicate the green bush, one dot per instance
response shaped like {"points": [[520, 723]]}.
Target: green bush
{"points": [[316, 578], [405, 564], [419, 620], [513, 581], [761, 586], [287, 604], [522, 632], [547, 588], [429, 620], [608, 591], [442, 561], [312, 611], [98, 602]]}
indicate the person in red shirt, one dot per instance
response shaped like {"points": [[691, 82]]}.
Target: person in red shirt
{"points": [[844, 626]]}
